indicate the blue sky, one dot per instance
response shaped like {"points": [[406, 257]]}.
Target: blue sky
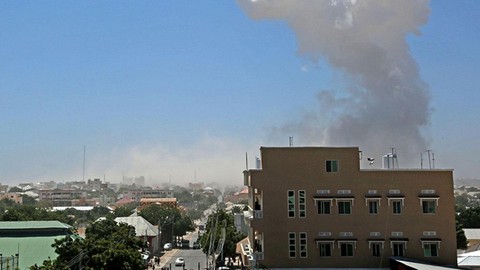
{"points": [[182, 89]]}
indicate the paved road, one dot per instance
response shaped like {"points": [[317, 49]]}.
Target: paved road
{"points": [[194, 259]]}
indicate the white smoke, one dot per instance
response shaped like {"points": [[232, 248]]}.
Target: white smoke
{"points": [[385, 103]]}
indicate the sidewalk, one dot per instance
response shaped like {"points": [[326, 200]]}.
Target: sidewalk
{"points": [[166, 257]]}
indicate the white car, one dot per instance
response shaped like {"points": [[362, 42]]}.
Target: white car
{"points": [[179, 261], [167, 246]]}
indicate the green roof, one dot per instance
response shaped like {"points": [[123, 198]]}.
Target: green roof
{"points": [[31, 250], [16, 225]]}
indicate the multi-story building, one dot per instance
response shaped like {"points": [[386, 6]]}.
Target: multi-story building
{"points": [[313, 207], [61, 197], [136, 195]]}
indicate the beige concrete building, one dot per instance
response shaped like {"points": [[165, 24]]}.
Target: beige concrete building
{"points": [[313, 207]]}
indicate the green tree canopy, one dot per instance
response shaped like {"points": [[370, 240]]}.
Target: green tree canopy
{"points": [[107, 245], [172, 221]]}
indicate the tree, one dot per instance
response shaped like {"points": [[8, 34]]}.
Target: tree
{"points": [[15, 189], [124, 210], [461, 239], [107, 245], [470, 218], [221, 218], [172, 221]]}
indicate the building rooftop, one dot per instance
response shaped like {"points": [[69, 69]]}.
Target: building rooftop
{"points": [[153, 200], [25, 225], [31, 250], [31, 240], [142, 226]]}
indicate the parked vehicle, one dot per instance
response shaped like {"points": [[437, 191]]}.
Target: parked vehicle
{"points": [[167, 246], [185, 244], [179, 261]]}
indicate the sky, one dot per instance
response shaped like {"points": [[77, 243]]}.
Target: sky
{"points": [[184, 91]]}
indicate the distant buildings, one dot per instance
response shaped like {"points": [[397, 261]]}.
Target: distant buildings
{"points": [[136, 195], [332, 214], [61, 197], [144, 202]]}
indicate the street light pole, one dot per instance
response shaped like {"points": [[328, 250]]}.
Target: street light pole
{"points": [[159, 236]]}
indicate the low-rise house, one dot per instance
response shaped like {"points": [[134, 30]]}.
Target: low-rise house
{"points": [[144, 202], [14, 196], [144, 230]]}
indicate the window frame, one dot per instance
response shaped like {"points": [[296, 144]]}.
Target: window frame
{"points": [[402, 244], [331, 166], [430, 244], [291, 203], [325, 247], [397, 197], [320, 206], [429, 200], [397, 207], [373, 244], [341, 206], [347, 248], [302, 203], [292, 245], [376, 203], [427, 206], [303, 244]]}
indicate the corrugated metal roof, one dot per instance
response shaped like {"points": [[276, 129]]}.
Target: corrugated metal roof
{"points": [[472, 233], [423, 266], [142, 226], [158, 199], [16, 225], [31, 250]]}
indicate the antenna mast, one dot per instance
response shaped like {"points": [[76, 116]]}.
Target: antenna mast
{"points": [[429, 159], [84, 150]]}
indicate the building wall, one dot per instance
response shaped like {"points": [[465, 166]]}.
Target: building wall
{"points": [[136, 195], [16, 197], [303, 169]]}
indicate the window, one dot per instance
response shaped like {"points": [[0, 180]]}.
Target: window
{"points": [[376, 249], [324, 207], [373, 206], [346, 249], [325, 249], [302, 206], [291, 204], [303, 244], [430, 249], [344, 207], [398, 249], [429, 206], [397, 207], [332, 166], [292, 245]]}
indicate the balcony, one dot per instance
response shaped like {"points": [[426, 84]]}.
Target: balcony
{"points": [[253, 214]]}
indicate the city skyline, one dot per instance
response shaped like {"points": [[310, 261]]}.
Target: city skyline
{"points": [[178, 91]]}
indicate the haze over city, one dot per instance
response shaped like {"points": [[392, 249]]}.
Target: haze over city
{"points": [[179, 91]]}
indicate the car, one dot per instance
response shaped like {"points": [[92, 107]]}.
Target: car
{"points": [[179, 261], [167, 246]]}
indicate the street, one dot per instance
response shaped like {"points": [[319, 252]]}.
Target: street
{"points": [[194, 259]]}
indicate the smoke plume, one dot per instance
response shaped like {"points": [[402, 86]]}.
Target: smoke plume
{"points": [[385, 103]]}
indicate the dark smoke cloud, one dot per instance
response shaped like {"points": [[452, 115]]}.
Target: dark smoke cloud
{"points": [[385, 103]]}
